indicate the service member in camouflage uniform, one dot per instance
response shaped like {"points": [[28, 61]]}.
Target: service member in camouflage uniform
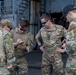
{"points": [[23, 41], [70, 13], [7, 46], [50, 35]]}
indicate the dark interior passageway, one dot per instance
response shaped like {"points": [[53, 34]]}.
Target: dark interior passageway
{"points": [[56, 17]]}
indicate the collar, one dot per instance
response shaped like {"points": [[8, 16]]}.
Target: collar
{"points": [[51, 29], [72, 25]]}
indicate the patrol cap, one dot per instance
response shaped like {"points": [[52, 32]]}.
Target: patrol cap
{"points": [[66, 9], [7, 22]]}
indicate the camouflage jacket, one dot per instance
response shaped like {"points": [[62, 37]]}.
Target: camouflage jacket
{"points": [[28, 39], [71, 38], [51, 38], [8, 46], [3, 68]]}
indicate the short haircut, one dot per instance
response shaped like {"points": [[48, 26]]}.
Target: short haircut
{"points": [[24, 22], [46, 16]]}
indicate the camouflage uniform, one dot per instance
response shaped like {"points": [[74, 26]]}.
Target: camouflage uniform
{"points": [[28, 38], [71, 50], [51, 40], [8, 50]]}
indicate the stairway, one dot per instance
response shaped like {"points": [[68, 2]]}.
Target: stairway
{"points": [[22, 6], [2, 10], [6, 8]]}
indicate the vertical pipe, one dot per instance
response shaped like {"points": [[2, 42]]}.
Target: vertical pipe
{"points": [[32, 12], [32, 16]]}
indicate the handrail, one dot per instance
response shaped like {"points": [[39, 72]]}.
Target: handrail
{"points": [[11, 8]]}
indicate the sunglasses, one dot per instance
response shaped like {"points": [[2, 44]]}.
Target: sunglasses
{"points": [[44, 22], [24, 26], [9, 27], [22, 29]]}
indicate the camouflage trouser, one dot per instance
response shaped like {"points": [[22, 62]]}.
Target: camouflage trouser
{"points": [[48, 63], [71, 66], [46, 69], [21, 64], [11, 70], [4, 70]]}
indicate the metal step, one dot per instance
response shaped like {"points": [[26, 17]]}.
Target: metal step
{"points": [[24, 2], [23, 6], [20, 12]]}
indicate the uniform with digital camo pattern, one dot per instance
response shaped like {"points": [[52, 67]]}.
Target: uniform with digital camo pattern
{"points": [[51, 40], [71, 50], [20, 54], [7, 51]]}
